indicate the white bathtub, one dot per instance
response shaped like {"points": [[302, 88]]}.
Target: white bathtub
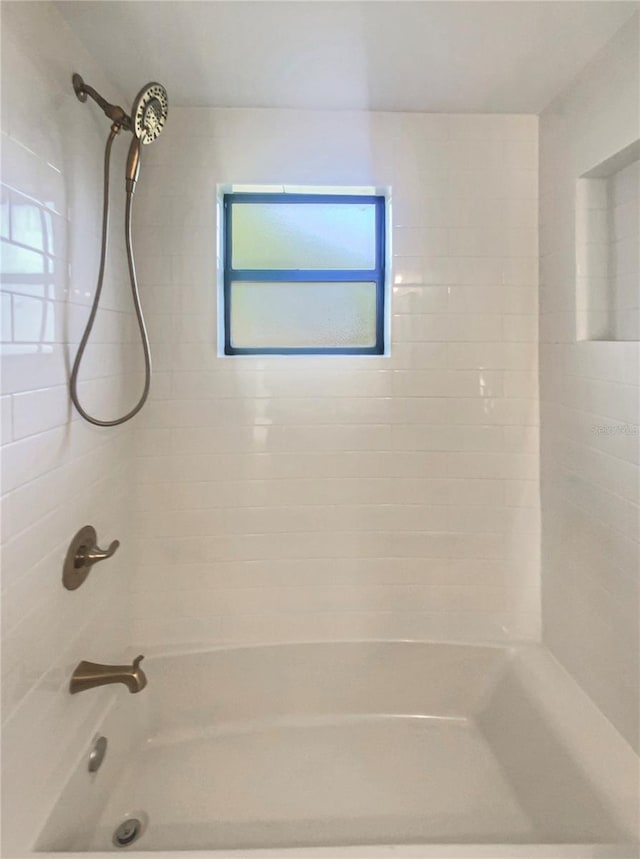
{"points": [[355, 749]]}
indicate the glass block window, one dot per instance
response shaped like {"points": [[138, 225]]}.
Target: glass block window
{"points": [[303, 274]]}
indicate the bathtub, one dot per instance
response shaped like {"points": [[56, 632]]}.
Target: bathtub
{"points": [[361, 749]]}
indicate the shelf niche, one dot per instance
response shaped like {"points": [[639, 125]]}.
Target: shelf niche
{"points": [[608, 249]]}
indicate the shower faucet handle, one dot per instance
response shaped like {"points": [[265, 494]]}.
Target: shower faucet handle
{"points": [[82, 554], [96, 554]]}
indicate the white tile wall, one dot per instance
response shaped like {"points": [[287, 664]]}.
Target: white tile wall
{"points": [[296, 497], [590, 409], [58, 473]]}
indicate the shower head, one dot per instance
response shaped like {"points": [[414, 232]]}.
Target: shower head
{"points": [[149, 112], [148, 116]]}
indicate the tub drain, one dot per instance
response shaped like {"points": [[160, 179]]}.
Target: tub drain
{"points": [[128, 831]]}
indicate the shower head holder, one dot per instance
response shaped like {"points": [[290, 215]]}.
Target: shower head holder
{"points": [[115, 113]]}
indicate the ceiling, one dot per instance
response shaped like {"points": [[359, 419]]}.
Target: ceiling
{"points": [[477, 56]]}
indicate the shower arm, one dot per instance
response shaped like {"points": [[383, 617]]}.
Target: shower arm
{"points": [[113, 111]]}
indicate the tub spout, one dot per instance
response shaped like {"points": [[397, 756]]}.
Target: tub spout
{"points": [[90, 674]]}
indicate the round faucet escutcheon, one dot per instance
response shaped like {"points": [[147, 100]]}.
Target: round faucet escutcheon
{"points": [[82, 554]]}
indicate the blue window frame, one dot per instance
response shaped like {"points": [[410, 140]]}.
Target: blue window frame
{"points": [[318, 276]]}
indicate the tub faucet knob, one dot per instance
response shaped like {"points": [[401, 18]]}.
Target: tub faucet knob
{"points": [[82, 554], [92, 556]]}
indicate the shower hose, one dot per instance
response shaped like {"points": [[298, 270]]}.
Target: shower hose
{"points": [[73, 385]]}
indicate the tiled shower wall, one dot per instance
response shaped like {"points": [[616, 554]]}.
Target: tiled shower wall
{"points": [[590, 407], [297, 497], [58, 473]]}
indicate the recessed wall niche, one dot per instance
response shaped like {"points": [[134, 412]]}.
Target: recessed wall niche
{"points": [[608, 249]]}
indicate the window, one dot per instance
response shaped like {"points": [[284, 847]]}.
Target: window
{"points": [[304, 274]]}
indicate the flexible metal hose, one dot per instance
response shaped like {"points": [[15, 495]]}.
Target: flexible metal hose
{"points": [[73, 382]]}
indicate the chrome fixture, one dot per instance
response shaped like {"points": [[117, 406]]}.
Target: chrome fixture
{"points": [[90, 674], [82, 554], [97, 753], [148, 117]]}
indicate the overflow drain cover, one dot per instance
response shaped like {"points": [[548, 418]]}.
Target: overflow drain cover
{"points": [[96, 756], [128, 831]]}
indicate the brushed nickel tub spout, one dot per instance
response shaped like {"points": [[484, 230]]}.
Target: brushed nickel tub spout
{"points": [[90, 674]]}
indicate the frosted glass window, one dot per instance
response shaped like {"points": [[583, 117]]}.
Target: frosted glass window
{"points": [[303, 314], [303, 274], [304, 236]]}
